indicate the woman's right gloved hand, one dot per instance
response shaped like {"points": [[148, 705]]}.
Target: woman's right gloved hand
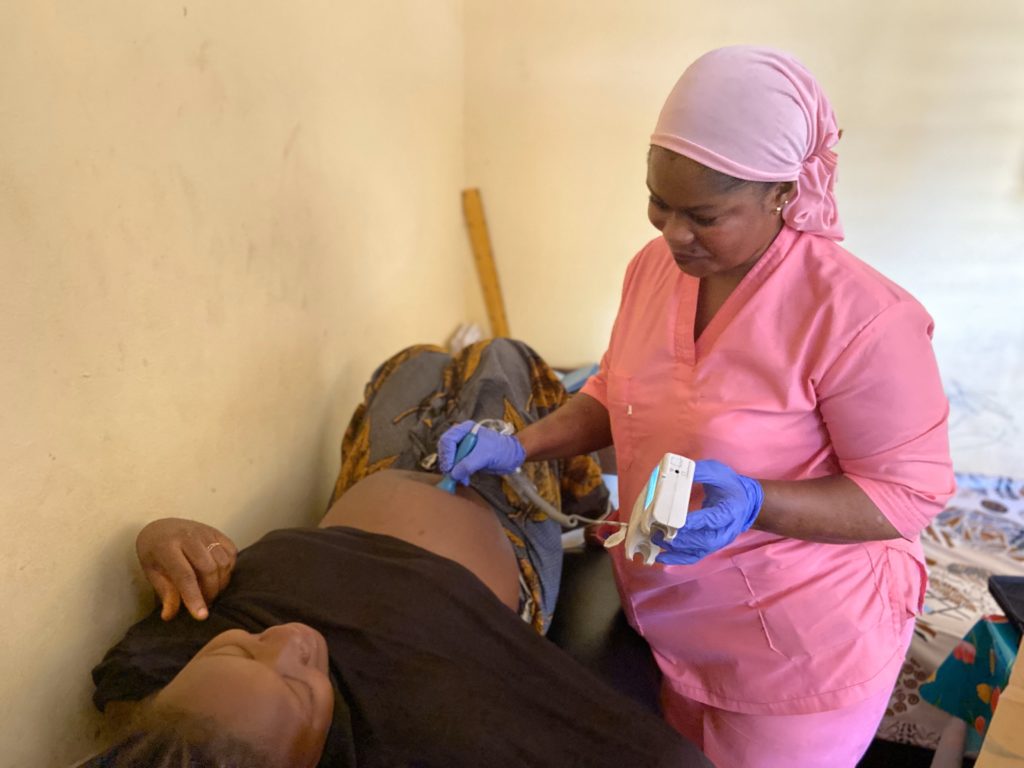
{"points": [[494, 453]]}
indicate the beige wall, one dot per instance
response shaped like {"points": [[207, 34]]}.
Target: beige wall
{"points": [[562, 97], [215, 220]]}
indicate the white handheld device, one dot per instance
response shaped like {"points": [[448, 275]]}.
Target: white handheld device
{"points": [[661, 506]]}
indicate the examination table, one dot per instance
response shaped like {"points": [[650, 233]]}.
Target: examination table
{"points": [[590, 626]]}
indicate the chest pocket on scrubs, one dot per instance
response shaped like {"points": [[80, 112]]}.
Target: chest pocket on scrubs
{"points": [[620, 411], [819, 597]]}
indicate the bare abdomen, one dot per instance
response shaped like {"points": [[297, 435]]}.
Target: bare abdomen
{"points": [[408, 506]]}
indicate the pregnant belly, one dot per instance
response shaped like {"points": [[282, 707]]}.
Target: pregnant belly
{"points": [[463, 528]]}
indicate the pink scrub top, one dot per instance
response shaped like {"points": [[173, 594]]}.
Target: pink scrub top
{"points": [[815, 365]]}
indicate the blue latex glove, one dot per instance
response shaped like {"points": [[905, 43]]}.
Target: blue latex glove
{"points": [[731, 504], [493, 453]]}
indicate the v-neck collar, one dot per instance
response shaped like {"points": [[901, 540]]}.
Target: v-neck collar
{"points": [[689, 351]]}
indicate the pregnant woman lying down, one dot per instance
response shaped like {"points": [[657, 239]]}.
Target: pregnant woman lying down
{"points": [[405, 630]]}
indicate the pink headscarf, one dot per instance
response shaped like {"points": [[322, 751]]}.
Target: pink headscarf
{"points": [[758, 114]]}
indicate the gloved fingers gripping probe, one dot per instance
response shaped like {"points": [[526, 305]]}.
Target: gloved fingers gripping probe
{"points": [[466, 445], [518, 480]]}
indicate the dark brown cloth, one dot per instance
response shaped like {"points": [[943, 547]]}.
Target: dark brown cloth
{"points": [[431, 669]]}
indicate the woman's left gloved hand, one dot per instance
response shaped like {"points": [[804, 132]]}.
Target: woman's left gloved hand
{"points": [[731, 504]]}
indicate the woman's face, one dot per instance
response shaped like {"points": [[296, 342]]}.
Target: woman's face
{"points": [[271, 690], [709, 231]]}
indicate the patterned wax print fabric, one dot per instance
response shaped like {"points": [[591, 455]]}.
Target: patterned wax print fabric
{"points": [[1003, 746], [414, 396], [816, 365], [968, 683], [978, 534]]}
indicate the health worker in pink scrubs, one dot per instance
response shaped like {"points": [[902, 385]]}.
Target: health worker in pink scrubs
{"points": [[804, 384]]}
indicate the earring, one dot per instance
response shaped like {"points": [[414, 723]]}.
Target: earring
{"points": [[779, 208]]}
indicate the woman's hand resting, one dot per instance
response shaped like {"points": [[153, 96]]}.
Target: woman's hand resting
{"points": [[186, 562]]}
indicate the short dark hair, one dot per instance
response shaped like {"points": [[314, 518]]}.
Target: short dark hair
{"points": [[180, 740]]}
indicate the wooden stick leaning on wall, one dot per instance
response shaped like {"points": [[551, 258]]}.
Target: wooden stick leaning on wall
{"points": [[473, 209]]}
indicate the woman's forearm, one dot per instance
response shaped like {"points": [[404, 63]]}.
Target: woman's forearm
{"points": [[579, 426], [828, 509], [833, 510]]}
